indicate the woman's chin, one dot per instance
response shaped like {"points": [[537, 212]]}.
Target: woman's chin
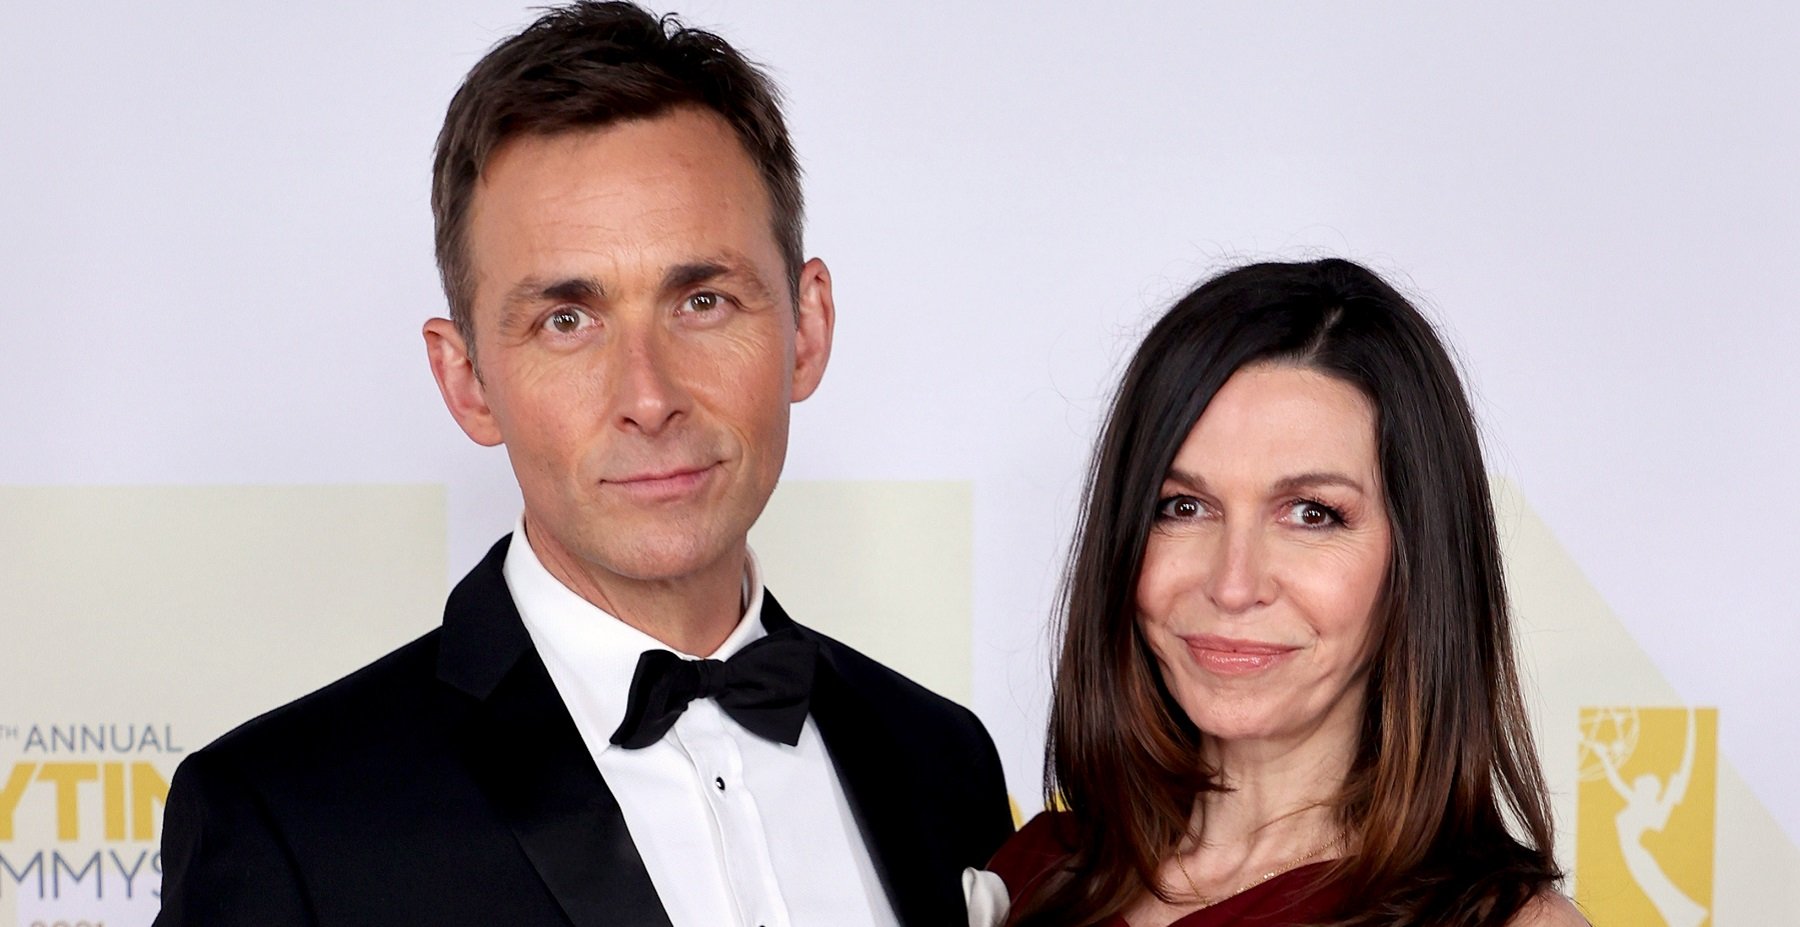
{"points": [[1268, 733]]}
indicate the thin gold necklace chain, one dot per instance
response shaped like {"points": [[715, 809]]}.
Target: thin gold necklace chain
{"points": [[1207, 901]]}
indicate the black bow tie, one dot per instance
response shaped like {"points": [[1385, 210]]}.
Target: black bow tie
{"points": [[766, 687]]}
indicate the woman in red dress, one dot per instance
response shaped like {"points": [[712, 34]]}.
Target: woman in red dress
{"points": [[1287, 692]]}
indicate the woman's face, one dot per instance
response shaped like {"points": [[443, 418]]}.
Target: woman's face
{"points": [[1268, 554]]}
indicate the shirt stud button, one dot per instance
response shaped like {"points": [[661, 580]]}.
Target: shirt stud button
{"points": [[720, 782]]}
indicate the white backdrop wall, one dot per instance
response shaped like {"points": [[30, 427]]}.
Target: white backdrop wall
{"points": [[215, 254]]}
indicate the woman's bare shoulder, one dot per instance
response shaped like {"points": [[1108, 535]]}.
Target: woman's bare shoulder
{"points": [[1550, 909]]}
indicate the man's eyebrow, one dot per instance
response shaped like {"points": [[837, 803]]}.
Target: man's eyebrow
{"points": [[535, 291], [728, 264], [564, 290]]}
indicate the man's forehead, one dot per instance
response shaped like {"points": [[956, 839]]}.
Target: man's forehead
{"points": [[672, 145], [685, 159], [673, 195]]}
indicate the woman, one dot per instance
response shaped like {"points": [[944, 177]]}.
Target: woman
{"points": [[1287, 691]]}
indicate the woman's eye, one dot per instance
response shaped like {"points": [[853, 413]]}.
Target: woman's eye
{"points": [[1179, 507], [1314, 515], [565, 321]]}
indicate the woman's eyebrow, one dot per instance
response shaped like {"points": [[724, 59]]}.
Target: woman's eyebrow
{"points": [[1185, 479], [1309, 480], [1318, 478]]}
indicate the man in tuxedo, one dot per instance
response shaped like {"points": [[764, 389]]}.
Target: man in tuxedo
{"points": [[618, 227]]}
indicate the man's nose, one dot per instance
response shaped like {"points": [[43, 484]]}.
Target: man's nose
{"points": [[648, 395]]}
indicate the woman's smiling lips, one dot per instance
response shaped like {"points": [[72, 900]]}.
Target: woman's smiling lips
{"points": [[1229, 656], [662, 485]]}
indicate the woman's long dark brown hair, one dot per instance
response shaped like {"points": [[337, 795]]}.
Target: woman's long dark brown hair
{"points": [[1445, 755]]}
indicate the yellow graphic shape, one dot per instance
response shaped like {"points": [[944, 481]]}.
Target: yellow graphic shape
{"points": [[1575, 655], [143, 621], [199, 606], [884, 566], [1645, 815]]}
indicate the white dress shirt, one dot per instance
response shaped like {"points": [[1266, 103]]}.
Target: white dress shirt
{"points": [[733, 829]]}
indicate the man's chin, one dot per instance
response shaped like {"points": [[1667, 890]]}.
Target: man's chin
{"points": [[670, 559]]}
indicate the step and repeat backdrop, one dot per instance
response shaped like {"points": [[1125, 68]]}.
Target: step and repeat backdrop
{"points": [[226, 477]]}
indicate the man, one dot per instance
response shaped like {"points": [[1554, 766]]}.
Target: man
{"points": [[618, 228]]}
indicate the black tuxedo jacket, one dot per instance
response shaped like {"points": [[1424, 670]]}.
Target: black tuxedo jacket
{"points": [[446, 784]]}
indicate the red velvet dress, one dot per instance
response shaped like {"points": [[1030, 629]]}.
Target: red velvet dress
{"points": [[1295, 897]]}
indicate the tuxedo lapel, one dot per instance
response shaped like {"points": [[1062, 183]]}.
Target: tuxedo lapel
{"points": [[530, 761], [525, 753], [877, 779]]}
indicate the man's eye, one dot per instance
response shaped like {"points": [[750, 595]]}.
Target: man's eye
{"points": [[565, 321], [704, 302], [1179, 507]]}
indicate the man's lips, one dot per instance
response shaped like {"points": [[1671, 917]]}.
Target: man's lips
{"points": [[654, 485], [1229, 656]]}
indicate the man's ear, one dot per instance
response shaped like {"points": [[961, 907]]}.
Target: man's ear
{"points": [[813, 325], [463, 393]]}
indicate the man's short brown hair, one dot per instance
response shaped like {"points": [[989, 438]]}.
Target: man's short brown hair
{"points": [[588, 65]]}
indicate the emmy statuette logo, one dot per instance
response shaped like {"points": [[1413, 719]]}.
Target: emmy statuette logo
{"points": [[1645, 819]]}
